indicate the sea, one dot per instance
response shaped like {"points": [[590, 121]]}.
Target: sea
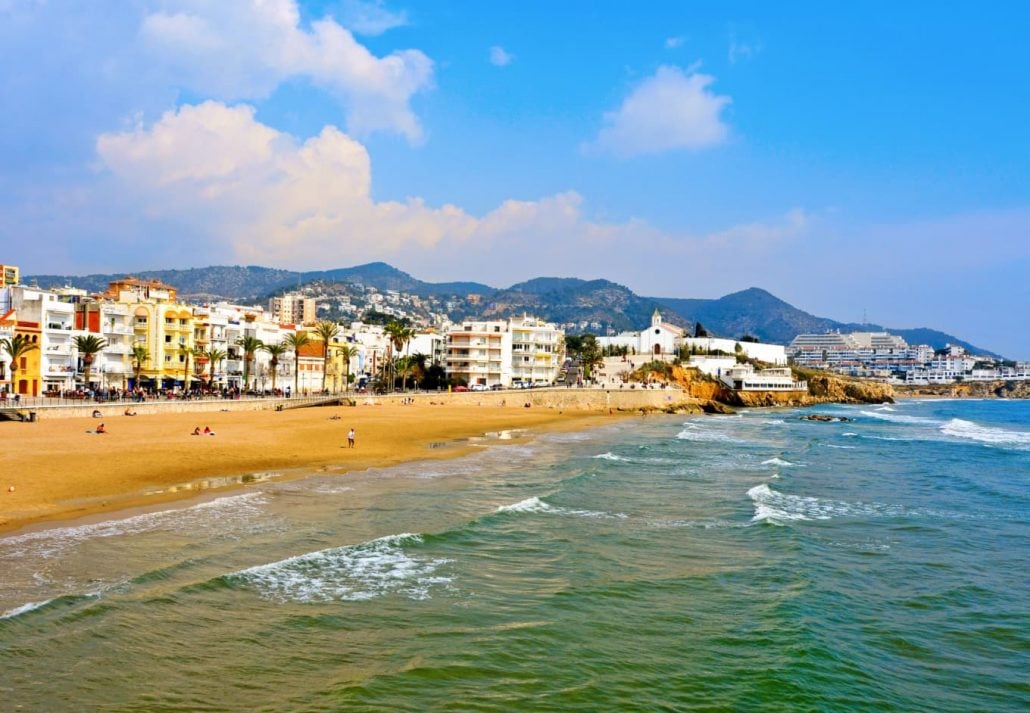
{"points": [[750, 562]]}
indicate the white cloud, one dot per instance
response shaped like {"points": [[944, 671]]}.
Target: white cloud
{"points": [[500, 58], [742, 51], [243, 49], [672, 43], [372, 17], [669, 111], [229, 187]]}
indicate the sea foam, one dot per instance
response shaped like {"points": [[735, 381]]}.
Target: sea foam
{"points": [[536, 505], [777, 508], [352, 573], [959, 428]]}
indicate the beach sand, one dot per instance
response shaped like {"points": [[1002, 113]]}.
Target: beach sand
{"points": [[59, 469]]}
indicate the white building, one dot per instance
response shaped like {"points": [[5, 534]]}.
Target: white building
{"points": [[660, 338], [519, 350], [293, 309], [744, 377]]}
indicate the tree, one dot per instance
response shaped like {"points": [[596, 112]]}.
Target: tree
{"points": [[249, 344], [88, 347], [276, 351], [347, 352], [326, 330], [590, 354], [16, 347], [214, 357], [295, 341], [185, 352], [140, 355], [750, 338], [699, 330], [399, 335]]}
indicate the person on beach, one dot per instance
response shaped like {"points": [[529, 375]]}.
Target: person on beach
{"points": [[196, 431], [208, 431], [101, 429], [350, 438]]}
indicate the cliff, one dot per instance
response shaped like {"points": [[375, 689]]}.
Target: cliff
{"points": [[971, 390], [822, 388]]}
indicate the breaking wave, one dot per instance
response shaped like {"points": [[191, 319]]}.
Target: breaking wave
{"points": [[357, 572], [958, 428], [777, 508], [536, 505]]}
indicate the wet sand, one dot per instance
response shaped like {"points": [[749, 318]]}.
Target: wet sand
{"points": [[59, 469]]}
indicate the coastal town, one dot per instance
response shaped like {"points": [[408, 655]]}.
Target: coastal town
{"points": [[140, 337]]}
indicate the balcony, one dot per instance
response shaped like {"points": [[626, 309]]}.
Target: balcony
{"points": [[118, 329]]}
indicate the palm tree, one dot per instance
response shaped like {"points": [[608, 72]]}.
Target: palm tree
{"points": [[347, 352], [214, 356], [399, 336], [276, 351], [417, 364], [249, 344], [326, 331], [140, 355], [295, 341], [88, 347], [186, 351], [16, 347]]}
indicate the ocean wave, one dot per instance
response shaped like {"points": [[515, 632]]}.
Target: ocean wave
{"points": [[958, 428], [24, 609], [843, 448], [536, 505], [611, 456], [33, 606], [777, 508], [696, 433], [895, 418], [352, 573], [780, 463], [219, 512]]}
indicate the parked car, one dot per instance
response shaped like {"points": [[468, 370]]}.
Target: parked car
{"points": [[480, 387], [461, 388]]}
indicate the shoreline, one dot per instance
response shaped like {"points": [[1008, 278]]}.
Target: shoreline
{"points": [[63, 473]]}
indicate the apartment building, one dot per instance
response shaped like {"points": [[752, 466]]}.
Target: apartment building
{"points": [[293, 309], [504, 352]]}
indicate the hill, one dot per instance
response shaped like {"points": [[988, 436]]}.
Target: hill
{"points": [[591, 305], [757, 312], [251, 282]]}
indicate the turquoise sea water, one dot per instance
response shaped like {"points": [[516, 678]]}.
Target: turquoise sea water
{"points": [[749, 562]]}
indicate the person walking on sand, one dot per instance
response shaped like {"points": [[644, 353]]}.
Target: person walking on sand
{"points": [[350, 438]]}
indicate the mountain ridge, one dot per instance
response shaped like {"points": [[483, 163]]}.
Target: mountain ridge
{"points": [[567, 300]]}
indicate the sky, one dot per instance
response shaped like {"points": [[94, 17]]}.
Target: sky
{"points": [[863, 161]]}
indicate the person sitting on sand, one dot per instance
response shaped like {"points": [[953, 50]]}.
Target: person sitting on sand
{"points": [[129, 412], [196, 431], [101, 429], [208, 431]]}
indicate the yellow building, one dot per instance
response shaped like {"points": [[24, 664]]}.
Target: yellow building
{"points": [[161, 324], [28, 377], [9, 275]]}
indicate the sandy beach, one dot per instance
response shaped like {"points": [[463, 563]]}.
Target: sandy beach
{"points": [[59, 469]]}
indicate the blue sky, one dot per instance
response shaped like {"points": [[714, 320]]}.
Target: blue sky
{"points": [[867, 158]]}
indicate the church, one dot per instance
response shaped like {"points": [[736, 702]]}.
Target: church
{"points": [[660, 338]]}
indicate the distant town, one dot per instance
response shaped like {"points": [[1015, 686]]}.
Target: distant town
{"points": [[139, 337]]}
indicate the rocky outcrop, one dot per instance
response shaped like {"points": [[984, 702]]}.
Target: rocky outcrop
{"points": [[971, 390], [822, 388]]}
